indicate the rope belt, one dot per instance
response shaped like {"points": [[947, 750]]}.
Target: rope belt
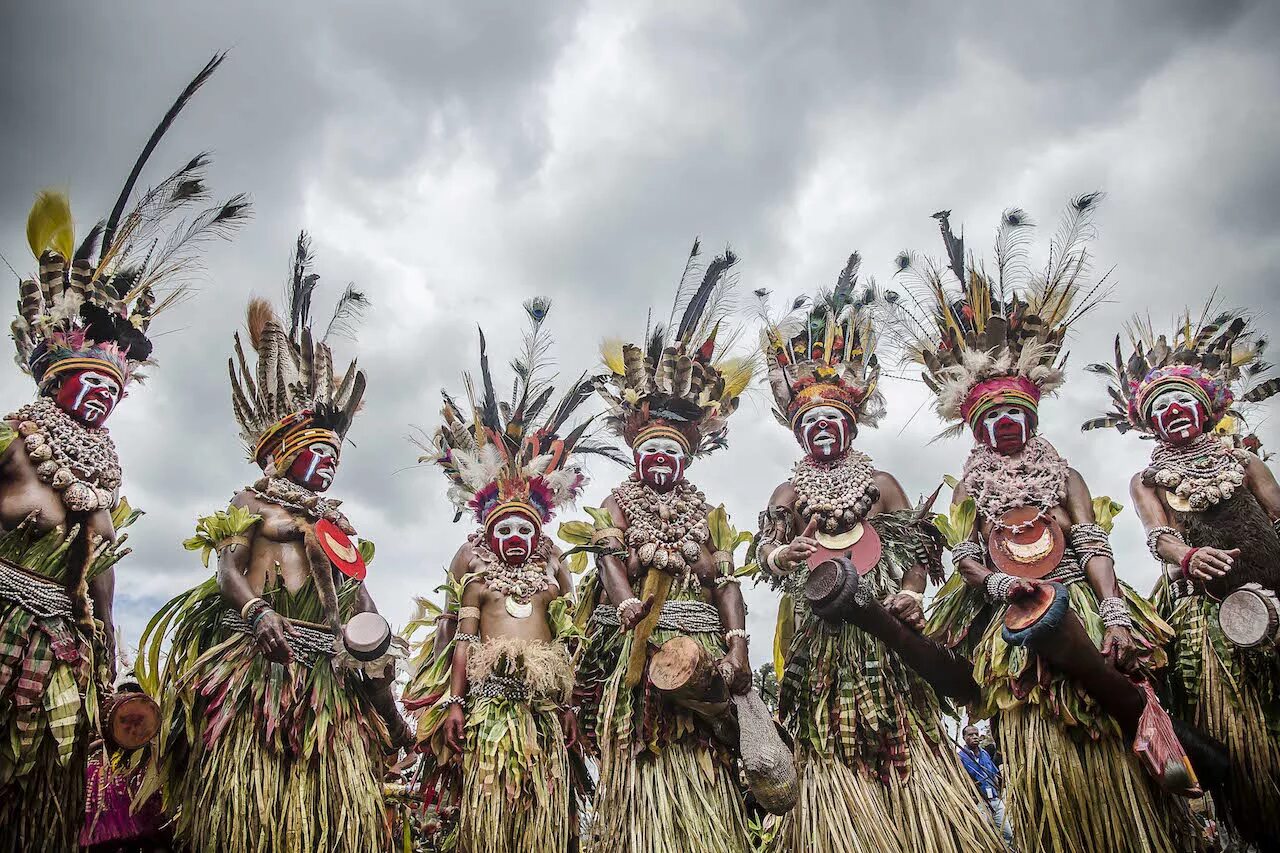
{"points": [[687, 617], [307, 644], [37, 595], [502, 687]]}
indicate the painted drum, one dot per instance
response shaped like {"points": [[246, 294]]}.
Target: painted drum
{"points": [[367, 636], [340, 550], [130, 720], [1250, 617], [1026, 543], [860, 545]]}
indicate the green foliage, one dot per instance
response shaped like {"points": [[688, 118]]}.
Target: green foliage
{"points": [[957, 525]]}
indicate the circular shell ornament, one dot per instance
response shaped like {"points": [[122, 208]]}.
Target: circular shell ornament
{"points": [[340, 550], [520, 610], [1026, 543]]}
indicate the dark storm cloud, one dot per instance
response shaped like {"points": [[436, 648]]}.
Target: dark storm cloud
{"points": [[454, 159]]}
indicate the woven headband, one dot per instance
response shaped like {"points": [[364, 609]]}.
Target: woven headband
{"points": [[1186, 383], [67, 365], [662, 431]]}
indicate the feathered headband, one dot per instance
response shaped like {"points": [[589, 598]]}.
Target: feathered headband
{"points": [[678, 383], [87, 312], [823, 353], [1216, 357], [293, 398], [510, 454], [999, 338]]}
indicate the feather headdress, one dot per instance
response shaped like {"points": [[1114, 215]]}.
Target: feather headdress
{"points": [[823, 352], [1215, 356], [519, 452], [1000, 337], [83, 311], [680, 380], [294, 397]]}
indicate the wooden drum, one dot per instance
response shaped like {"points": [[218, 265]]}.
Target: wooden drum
{"points": [[367, 636], [130, 720], [1250, 617]]}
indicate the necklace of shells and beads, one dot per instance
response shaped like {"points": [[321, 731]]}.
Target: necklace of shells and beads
{"points": [[1035, 477], [302, 500], [1198, 474], [839, 493], [519, 584], [667, 530], [78, 462]]}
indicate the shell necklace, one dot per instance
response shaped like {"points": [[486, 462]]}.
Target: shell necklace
{"points": [[300, 499], [839, 493], [78, 462], [518, 583], [1198, 474], [666, 530], [1035, 477]]}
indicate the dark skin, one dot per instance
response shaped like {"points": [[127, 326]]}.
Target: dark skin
{"points": [[618, 577], [1152, 505], [973, 743], [23, 495], [276, 550]]}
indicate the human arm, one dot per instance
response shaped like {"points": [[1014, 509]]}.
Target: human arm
{"points": [[1201, 564], [456, 723], [270, 630], [1099, 567], [1262, 483], [613, 572], [908, 603], [447, 621], [781, 551], [726, 595], [102, 591]]}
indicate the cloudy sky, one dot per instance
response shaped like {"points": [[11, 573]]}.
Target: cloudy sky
{"points": [[454, 159]]}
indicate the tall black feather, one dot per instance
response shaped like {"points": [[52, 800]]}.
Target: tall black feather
{"points": [[489, 404], [698, 303], [113, 221]]}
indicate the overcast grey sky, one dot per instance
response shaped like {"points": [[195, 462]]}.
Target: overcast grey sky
{"points": [[457, 158]]}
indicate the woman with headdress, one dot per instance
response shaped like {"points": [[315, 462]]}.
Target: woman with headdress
{"points": [[81, 334], [1060, 646], [1209, 506], [666, 784], [274, 725], [877, 771], [505, 712]]}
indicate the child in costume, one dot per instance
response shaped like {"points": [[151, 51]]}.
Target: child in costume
{"points": [[1209, 508]]}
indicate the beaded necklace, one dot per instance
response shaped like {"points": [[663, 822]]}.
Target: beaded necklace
{"points": [[78, 462], [667, 530], [839, 493]]}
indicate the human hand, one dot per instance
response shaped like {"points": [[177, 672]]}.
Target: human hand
{"points": [[1209, 563], [270, 633], [455, 729], [633, 611], [1119, 646], [569, 724], [735, 668], [907, 609], [791, 556]]}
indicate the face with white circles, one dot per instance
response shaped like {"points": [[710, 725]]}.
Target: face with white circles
{"points": [[89, 396], [512, 536], [825, 433], [1006, 429], [1178, 416], [660, 462]]}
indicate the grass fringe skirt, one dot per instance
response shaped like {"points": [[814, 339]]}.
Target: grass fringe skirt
{"points": [[841, 810]]}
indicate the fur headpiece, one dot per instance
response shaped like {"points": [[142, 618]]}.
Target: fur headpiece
{"points": [[678, 383], [824, 352], [93, 312], [1006, 323], [294, 398], [509, 454], [1216, 356]]}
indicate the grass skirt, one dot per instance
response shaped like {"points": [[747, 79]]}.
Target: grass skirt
{"points": [[841, 810]]}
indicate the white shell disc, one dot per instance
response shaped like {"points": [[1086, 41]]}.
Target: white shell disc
{"points": [[518, 610]]}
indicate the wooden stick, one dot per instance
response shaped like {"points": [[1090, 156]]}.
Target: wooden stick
{"points": [[658, 584]]}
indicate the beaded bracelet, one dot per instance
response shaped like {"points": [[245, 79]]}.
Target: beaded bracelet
{"points": [[967, 550], [1115, 613], [725, 580], [737, 632], [918, 596], [997, 586], [460, 701], [250, 605], [1153, 539], [464, 637]]}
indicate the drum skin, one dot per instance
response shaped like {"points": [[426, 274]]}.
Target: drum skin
{"points": [[367, 636], [1250, 617], [130, 720]]}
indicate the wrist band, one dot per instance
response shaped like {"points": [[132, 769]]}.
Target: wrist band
{"points": [[460, 701], [772, 561], [257, 618], [630, 602], [1186, 559], [597, 536], [966, 550], [737, 632], [918, 596], [464, 637], [725, 580], [997, 586], [468, 612], [250, 604], [1114, 613], [1153, 539]]}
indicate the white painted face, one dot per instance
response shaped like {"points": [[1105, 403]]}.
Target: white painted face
{"points": [[1006, 429], [824, 432], [1178, 415], [660, 462], [512, 538]]}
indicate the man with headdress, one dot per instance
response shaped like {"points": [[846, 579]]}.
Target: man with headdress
{"points": [[505, 713], [666, 784], [1210, 508], [275, 717], [876, 771], [81, 334], [1059, 645]]}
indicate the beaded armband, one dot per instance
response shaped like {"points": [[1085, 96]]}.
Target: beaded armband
{"points": [[1153, 539], [460, 701], [464, 637], [1115, 613], [726, 580], [997, 586], [1089, 540], [966, 550]]}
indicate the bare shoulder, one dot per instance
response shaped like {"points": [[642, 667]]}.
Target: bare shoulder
{"points": [[783, 495], [248, 499]]}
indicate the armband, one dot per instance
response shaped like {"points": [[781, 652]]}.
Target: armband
{"points": [[468, 612], [1153, 539], [1114, 613], [460, 701], [737, 632], [598, 536], [966, 550], [464, 637], [997, 586]]}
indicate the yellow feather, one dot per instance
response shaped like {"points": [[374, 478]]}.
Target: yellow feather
{"points": [[611, 353], [49, 225], [829, 339], [737, 374]]}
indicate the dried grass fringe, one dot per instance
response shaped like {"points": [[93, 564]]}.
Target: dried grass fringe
{"points": [[42, 811], [544, 668], [841, 810], [1064, 794]]}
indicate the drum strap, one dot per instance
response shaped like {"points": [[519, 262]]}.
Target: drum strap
{"points": [[34, 593]]}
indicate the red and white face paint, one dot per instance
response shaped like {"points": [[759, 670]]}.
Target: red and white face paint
{"points": [[1178, 416], [512, 536], [89, 396], [1006, 429], [825, 433], [315, 466], [660, 462]]}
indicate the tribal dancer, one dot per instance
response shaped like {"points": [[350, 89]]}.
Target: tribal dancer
{"points": [[274, 727], [507, 712], [877, 770], [1064, 712], [666, 786], [1209, 509], [81, 334]]}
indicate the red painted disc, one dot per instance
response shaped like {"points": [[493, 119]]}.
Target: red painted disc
{"points": [[342, 552], [1026, 543]]}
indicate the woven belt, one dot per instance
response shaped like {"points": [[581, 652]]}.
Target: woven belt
{"points": [[688, 617], [307, 644], [502, 687], [33, 593]]}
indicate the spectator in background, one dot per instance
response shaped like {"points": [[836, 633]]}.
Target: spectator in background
{"points": [[987, 776]]}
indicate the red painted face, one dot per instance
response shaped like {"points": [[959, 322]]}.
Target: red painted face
{"points": [[315, 466], [1178, 416], [512, 536], [660, 462], [1006, 429], [89, 396], [825, 433]]}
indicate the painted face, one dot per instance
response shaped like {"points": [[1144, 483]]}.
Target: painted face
{"points": [[512, 537], [660, 462], [825, 432], [89, 396], [1178, 416], [314, 467], [1006, 429]]}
